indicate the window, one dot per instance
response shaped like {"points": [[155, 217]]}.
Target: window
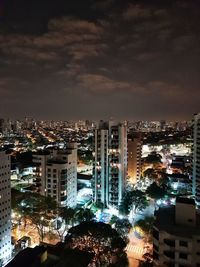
{"points": [[183, 256], [183, 243], [169, 242]]}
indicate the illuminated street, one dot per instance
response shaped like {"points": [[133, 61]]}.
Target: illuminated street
{"points": [[32, 232]]}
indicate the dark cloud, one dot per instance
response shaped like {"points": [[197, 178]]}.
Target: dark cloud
{"points": [[137, 60]]}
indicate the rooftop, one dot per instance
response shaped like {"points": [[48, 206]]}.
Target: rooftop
{"points": [[165, 221], [27, 257], [185, 200]]}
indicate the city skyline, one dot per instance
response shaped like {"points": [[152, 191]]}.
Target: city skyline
{"points": [[127, 59]]}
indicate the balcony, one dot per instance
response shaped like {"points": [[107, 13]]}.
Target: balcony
{"points": [[170, 254], [169, 242]]}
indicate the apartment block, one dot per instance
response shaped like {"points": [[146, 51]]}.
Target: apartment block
{"points": [[56, 174], [110, 163]]}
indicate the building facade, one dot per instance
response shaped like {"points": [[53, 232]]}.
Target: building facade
{"points": [[110, 163], [56, 174], [176, 235], [5, 207], [196, 157], [134, 159]]}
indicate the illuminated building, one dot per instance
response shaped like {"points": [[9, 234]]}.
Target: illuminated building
{"points": [[5, 207], [134, 159], [196, 157], [110, 163], [176, 235], [56, 174]]}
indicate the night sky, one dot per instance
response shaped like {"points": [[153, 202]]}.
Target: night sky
{"points": [[87, 59]]}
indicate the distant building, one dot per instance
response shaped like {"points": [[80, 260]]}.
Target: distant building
{"points": [[5, 126], [134, 159], [56, 174], [176, 235], [162, 125], [5, 207], [196, 157], [110, 163]]}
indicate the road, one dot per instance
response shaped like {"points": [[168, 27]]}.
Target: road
{"points": [[135, 248]]}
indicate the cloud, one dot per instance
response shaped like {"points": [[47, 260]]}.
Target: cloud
{"points": [[185, 42], [71, 25], [136, 12], [143, 57], [163, 88], [99, 83], [102, 4], [67, 36]]}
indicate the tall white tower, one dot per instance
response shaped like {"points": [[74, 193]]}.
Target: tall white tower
{"points": [[5, 207], [196, 157], [110, 164]]}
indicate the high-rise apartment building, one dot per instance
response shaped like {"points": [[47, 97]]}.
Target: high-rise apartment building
{"points": [[56, 174], [176, 235], [110, 163], [196, 157], [134, 159], [5, 207]]}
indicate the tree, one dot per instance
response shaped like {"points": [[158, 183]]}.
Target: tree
{"points": [[84, 215], [156, 192], [99, 205], [164, 179], [113, 219], [123, 227], [67, 216], [133, 199], [150, 173], [153, 158], [43, 212], [99, 239], [39, 209], [146, 224]]}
